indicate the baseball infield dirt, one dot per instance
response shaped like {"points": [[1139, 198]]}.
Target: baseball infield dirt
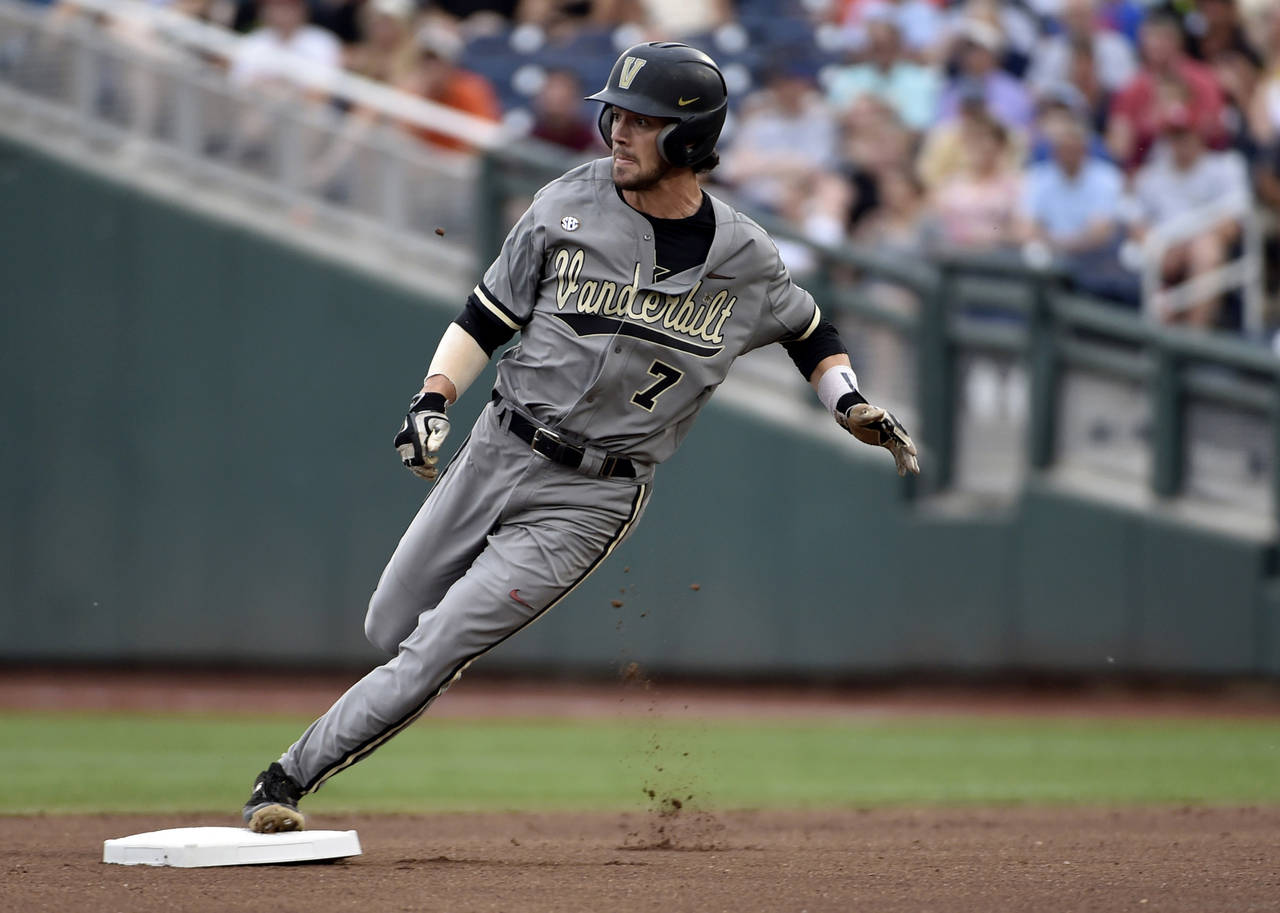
{"points": [[673, 857], [1191, 859]]}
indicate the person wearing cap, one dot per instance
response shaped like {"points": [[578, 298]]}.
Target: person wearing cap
{"points": [[1168, 79], [1181, 177], [1006, 98]]}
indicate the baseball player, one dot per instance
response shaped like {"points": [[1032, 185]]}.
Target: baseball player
{"points": [[633, 291]]}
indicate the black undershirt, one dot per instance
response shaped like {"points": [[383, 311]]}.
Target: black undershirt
{"points": [[680, 244]]}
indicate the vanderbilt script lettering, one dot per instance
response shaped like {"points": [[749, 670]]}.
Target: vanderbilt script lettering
{"points": [[682, 315]]}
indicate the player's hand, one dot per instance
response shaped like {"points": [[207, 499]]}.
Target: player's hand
{"points": [[424, 430], [877, 427]]}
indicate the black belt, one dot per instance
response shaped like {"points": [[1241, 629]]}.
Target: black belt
{"points": [[547, 443]]}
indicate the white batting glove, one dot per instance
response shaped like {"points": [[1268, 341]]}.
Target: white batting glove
{"points": [[423, 432], [877, 427]]}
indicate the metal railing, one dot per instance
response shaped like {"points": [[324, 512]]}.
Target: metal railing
{"points": [[147, 94], [1243, 271]]}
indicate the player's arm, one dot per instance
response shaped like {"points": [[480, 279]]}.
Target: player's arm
{"points": [[824, 361], [499, 306], [465, 348]]}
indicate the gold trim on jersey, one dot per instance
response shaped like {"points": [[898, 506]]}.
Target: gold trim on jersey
{"points": [[813, 324], [497, 311], [680, 315]]}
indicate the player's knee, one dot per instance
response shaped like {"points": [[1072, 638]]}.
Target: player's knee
{"points": [[378, 629]]}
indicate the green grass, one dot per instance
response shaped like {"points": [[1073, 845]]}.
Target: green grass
{"points": [[81, 763]]}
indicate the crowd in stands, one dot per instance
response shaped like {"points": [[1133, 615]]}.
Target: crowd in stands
{"points": [[1055, 131]]}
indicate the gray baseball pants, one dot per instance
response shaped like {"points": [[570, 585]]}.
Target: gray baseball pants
{"points": [[502, 537]]}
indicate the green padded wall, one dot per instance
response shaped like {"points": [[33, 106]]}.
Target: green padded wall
{"points": [[197, 464]]}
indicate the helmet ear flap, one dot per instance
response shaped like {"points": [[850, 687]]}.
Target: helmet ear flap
{"points": [[605, 123], [672, 151]]}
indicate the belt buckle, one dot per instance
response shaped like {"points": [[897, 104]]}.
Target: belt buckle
{"points": [[543, 434]]}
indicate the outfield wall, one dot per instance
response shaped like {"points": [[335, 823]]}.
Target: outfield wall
{"points": [[197, 464]]}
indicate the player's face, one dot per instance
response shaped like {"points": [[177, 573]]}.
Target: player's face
{"points": [[637, 165]]}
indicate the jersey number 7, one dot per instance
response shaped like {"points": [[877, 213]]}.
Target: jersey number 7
{"points": [[667, 376]]}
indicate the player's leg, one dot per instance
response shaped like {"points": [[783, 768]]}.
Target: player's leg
{"points": [[543, 549], [447, 533], [440, 543]]}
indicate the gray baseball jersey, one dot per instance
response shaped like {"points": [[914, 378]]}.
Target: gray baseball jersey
{"points": [[606, 354], [608, 358]]}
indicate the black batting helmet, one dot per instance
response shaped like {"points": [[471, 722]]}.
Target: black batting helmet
{"points": [[673, 80]]}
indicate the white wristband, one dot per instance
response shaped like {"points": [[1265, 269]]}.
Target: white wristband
{"points": [[458, 357], [836, 383]]}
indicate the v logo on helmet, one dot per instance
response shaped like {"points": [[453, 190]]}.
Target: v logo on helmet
{"points": [[630, 67], [687, 101]]}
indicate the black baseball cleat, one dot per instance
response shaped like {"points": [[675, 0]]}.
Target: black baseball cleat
{"points": [[273, 805]]}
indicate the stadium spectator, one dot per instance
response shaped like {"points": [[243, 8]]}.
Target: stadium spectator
{"points": [[1062, 100], [559, 115], [872, 141], [887, 73], [1181, 177], [1124, 16], [435, 75], [388, 41], [1082, 76], [943, 153], [1015, 24], [1110, 55], [268, 57], [1213, 27], [899, 224], [920, 24], [675, 19], [976, 209], [785, 134], [1238, 75], [1168, 80], [480, 14], [1264, 118], [341, 17], [978, 63], [1264, 106], [1071, 208]]}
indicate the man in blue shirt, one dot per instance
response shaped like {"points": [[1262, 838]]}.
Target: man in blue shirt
{"points": [[1071, 207]]}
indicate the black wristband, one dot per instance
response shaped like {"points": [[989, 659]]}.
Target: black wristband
{"points": [[430, 402], [848, 401]]}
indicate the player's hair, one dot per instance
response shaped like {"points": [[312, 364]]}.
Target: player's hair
{"points": [[707, 164]]}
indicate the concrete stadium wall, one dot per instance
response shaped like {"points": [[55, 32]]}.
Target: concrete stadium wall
{"points": [[197, 464]]}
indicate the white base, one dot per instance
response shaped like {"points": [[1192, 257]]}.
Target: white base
{"points": [[198, 847]]}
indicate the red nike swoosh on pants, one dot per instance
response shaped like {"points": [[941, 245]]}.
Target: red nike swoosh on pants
{"points": [[515, 594]]}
